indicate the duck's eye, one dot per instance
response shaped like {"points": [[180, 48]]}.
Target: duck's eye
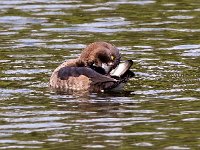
{"points": [[112, 57]]}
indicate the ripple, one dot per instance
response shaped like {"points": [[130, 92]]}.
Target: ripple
{"points": [[159, 23], [191, 119], [4, 61], [20, 142], [191, 53], [174, 63], [181, 17], [152, 92], [125, 123], [60, 13], [32, 125], [184, 47], [172, 128], [17, 78], [15, 91], [144, 47], [104, 24], [3, 135], [30, 56], [112, 119], [138, 2], [32, 7], [169, 4], [21, 107], [83, 29], [87, 28], [186, 99], [143, 144], [131, 134], [162, 39], [19, 20], [26, 71], [66, 46], [135, 111], [8, 33], [190, 112], [99, 9], [33, 119], [31, 42], [36, 112], [176, 147], [108, 130], [93, 146], [20, 147]]}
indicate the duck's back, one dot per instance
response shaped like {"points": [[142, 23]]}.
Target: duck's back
{"points": [[57, 83], [70, 76]]}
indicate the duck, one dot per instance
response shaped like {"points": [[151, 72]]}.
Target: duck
{"points": [[97, 69]]}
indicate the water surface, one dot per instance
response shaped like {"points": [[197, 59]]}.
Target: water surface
{"points": [[159, 108]]}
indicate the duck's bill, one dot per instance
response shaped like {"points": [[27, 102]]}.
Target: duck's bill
{"points": [[122, 68]]}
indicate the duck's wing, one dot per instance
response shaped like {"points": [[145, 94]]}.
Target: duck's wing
{"points": [[76, 75]]}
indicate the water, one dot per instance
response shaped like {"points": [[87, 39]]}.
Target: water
{"points": [[159, 108]]}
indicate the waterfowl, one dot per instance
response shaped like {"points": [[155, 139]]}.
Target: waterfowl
{"points": [[97, 69]]}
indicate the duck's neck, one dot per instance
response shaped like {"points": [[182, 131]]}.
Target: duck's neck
{"points": [[80, 63]]}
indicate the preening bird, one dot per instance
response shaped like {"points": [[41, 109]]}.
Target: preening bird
{"points": [[97, 69]]}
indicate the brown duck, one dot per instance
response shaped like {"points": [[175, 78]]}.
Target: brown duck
{"points": [[97, 69]]}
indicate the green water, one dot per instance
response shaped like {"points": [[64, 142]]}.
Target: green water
{"points": [[159, 108]]}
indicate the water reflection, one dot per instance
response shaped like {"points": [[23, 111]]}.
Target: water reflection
{"points": [[159, 107]]}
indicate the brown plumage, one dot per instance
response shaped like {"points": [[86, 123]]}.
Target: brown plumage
{"points": [[87, 72]]}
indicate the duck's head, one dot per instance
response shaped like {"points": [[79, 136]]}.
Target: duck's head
{"points": [[101, 54]]}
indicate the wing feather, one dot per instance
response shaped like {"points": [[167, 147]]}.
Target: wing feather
{"points": [[83, 74]]}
